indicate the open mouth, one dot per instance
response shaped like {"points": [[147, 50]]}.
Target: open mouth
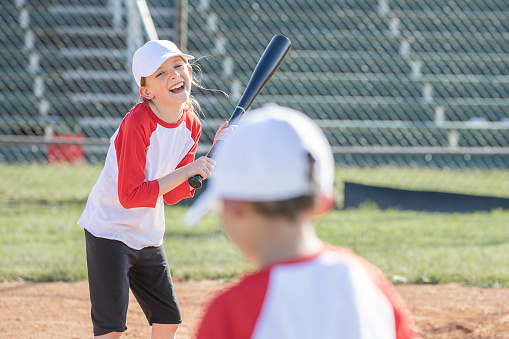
{"points": [[177, 88]]}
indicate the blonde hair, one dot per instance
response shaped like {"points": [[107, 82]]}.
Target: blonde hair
{"points": [[191, 104]]}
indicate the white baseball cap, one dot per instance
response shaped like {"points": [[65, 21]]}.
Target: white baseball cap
{"points": [[267, 158], [149, 57]]}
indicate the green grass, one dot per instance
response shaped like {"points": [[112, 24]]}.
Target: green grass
{"points": [[40, 240], [46, 183], [51, 183], [426, 247]]}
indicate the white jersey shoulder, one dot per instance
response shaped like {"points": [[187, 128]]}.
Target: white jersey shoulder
{"points": [[322, 297]]}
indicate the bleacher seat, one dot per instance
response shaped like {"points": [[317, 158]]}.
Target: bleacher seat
{"points": [[452, 5], [288, 5], [408, 62], [348, 62]]}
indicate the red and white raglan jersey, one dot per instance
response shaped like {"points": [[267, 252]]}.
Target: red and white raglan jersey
{"points": [[334, 294], [124, 203]]}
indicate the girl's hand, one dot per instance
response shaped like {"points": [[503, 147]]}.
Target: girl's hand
{"points": [[202, 166], [223, 132]]}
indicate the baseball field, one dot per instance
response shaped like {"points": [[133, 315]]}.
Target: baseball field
{"points": [[452, 269]]}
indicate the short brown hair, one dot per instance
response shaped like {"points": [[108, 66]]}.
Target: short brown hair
{"points": [[289, 209]]}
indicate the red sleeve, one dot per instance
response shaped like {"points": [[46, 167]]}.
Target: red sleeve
{"points": [[184, 191], [233, 314], [131, 143]]}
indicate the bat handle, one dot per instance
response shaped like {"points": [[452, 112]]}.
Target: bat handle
{"points": [[195, 181]]}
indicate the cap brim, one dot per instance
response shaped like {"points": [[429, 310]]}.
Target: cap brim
{"points": [[186, 56], [203, 204], [152, 67]]}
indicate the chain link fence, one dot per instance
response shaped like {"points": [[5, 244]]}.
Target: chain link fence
{"points": [[391, 82]]}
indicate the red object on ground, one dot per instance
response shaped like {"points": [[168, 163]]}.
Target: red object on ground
{"points": [[66, 153]]}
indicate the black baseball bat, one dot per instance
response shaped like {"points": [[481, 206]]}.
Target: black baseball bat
{"points": [[268, 64]]}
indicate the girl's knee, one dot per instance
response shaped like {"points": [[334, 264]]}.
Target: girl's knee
{"points": [[164, 331]]}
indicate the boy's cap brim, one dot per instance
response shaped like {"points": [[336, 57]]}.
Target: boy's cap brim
{"points": [[206, 202]]}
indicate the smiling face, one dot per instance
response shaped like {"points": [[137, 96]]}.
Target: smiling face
{"points": [[169, 85]]}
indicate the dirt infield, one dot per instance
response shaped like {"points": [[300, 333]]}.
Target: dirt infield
{"points": [[61, 310]]}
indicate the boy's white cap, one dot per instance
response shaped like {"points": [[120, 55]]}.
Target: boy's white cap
{"points": [[267, 159], [149, 57]]}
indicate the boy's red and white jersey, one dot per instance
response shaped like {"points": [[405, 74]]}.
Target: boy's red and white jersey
{"points": [[124, 203], [334, 294]]}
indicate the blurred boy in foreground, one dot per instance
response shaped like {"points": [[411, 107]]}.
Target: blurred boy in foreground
{"points": [[273, 175]]}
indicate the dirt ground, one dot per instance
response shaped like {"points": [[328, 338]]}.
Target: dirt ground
{"points": [[61, 310]]}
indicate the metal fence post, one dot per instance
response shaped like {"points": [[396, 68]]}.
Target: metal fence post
{"points": [[181, 29], [134, 35], [117, 12]]}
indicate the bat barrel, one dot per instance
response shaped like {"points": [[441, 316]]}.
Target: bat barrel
{"points": [[267, 66]]}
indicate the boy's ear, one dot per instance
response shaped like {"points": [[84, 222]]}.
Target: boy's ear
{"points": [[325, 204], [145, 92]]}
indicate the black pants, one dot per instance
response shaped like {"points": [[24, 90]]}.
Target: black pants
{"points": [[113, 267]]}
